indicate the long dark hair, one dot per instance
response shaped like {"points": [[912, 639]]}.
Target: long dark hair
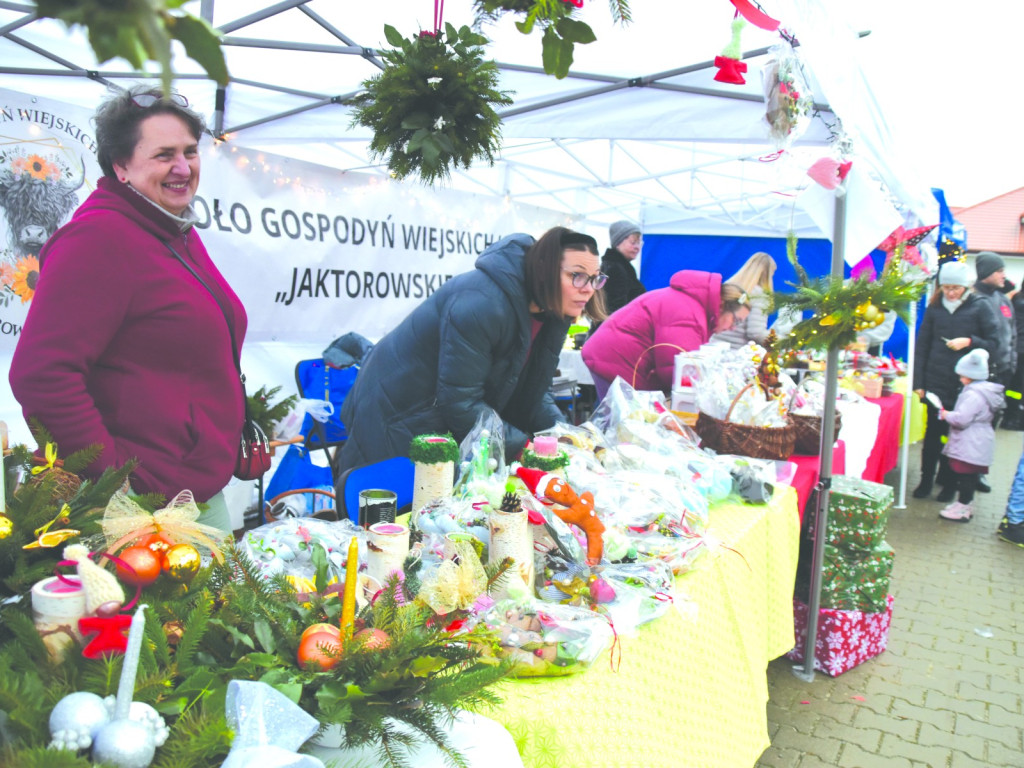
{"points": [[544, 272], [118, 119]]}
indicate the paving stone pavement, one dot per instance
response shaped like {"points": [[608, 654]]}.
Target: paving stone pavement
{"points": [[949, 690]]}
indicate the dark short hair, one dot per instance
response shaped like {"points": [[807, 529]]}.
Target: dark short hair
{"points": [[543, 263], [118, 119]]}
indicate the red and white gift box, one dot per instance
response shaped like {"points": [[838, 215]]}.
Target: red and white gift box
{"points": [[845, 638]]}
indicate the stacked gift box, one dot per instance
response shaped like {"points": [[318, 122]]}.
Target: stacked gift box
{"points": [[856, 609]]}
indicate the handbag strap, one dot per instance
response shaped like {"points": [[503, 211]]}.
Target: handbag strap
{"points": [[231, 327]]}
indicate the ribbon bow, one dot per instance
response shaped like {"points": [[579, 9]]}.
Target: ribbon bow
{"points": [[50, 454], [458, 582], [125, 521]]}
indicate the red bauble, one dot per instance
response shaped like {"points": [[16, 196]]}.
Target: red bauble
{"points": [[319, 650], [145, 564]]}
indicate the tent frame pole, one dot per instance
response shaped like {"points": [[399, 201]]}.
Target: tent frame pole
{"points": [[805, 671], [908, 404]]}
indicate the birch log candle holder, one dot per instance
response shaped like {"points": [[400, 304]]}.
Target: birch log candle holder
{"points": [[434, 458], [387, 546], [56, 608]]}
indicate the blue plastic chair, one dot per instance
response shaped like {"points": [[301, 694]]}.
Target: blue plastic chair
{"points": [[394, 474], [319, 381]]}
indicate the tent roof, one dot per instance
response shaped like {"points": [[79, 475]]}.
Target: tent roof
{"points": [[639, 130]]}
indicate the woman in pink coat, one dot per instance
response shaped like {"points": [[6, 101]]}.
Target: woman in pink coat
{"points": [[681, 316]]}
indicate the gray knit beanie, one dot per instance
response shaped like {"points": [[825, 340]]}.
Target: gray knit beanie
{"points": [[973, 365], [620, 230], [987, 262]]}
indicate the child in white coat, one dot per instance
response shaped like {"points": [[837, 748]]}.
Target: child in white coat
{"points": [[971, 445]]}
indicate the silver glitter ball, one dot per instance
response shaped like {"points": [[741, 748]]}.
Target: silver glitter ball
{"points": [[81, 712], [124, 744]]}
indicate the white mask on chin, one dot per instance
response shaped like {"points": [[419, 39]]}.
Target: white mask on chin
{"points": [[952, 304]]}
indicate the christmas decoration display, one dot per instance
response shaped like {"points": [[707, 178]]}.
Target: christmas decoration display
{"points": [[730, 68], [434, 458], [845, 639], [908, 240], [432, 109], [125, 521], [575, 509], [787, 97], [840, 308], [511, 535], [561, 30]]}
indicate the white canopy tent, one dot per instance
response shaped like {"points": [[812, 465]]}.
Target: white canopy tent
{"points": [[639, 130]]}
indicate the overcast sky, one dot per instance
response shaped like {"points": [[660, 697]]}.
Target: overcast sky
{"points": [[952, 74]]}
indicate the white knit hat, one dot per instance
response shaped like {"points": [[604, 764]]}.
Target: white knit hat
{"points": [[973, 365], [955, 273]]}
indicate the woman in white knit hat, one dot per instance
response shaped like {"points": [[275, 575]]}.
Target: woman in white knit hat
{"points": [[972, 440]]}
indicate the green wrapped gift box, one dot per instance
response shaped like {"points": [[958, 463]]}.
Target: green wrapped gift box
{"points": [[858, 513], [856, 581]]}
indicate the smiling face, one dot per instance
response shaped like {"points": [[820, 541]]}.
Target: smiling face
{"points": [[574, 300], [165, 164]]}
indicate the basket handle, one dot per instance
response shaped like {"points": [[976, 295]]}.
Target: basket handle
{"points": [[728, 415], [636, 367]]}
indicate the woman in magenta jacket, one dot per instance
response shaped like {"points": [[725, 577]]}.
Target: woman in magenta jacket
{"points": [[123, 346], [681, 316]]}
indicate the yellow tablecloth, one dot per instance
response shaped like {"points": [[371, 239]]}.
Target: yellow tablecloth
{"points": [[691, 689]]}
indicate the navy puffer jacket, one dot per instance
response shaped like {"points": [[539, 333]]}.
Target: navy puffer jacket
{"points": [[935, 362], [462, 350]]}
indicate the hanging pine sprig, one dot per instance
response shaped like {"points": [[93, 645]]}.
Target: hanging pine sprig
{"points": [[840, 309], [432, 108]]}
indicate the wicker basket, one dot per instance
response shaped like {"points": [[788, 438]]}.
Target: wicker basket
{"points": [[808, 432], [743, 439]]}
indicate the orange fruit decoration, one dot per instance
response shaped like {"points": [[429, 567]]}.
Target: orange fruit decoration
{"points": [[319, 651], [145, 564], [322, 629], [371, 638]]}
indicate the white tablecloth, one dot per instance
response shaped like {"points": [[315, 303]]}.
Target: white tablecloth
{"points": [[859, 432], [570, 363]]}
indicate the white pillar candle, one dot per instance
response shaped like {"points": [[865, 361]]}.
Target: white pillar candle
{"points": [[126, 685], [511, 536], [431, 481], [387, 546], [56, 608]]}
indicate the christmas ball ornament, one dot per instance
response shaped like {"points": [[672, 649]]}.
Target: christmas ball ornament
{"points": [[871, 313], [181, 562], [829, 319], [76, 719], [6, 526], [332, 630], [372, 638], [124, 744], [319, 651], [144, 566]]}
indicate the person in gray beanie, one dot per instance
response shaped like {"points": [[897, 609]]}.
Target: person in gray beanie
{"points": [[991, 277], [623, 285], [955, 322], [972, 440]]}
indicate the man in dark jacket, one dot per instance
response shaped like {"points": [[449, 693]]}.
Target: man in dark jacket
{"points": [[991, 276], [488, 338], [1013, 418], [623, 285]]}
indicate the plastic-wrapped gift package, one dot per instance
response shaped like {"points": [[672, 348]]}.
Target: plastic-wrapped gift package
{"points": [[858, 512], [845, 639], [853, 580], [548, 639], [450, 515], [286, 546]]}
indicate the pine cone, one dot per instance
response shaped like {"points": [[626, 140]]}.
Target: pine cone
{"points": [[511, 502]]}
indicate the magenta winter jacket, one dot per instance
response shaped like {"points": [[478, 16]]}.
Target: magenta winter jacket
{"points": [[680, 316], [124, 348]]}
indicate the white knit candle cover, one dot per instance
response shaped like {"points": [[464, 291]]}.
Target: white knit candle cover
{"points": [[387, 546], [56, 609], [431, 481], [511, 536]]}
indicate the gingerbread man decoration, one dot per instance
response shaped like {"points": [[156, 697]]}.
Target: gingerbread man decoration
{"points": [[551, 489]]}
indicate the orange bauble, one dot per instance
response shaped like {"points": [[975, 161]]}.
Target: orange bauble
{"points": [[323, 629], [158, 542], [145, 564], [372, 639], [319, 651]]}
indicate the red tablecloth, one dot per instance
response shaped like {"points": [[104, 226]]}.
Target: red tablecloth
{"points": [[885, 455], [808, 469]]}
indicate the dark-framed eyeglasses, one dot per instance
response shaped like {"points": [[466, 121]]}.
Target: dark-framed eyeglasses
{"points": [[580, 279], [147, 100]]}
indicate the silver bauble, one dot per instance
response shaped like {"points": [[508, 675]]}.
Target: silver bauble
{"points": [[82, 712], [124, 744]]}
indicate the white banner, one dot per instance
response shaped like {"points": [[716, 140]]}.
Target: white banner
{"points": [[312, 252]]}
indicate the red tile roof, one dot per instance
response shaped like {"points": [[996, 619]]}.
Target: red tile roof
{"points": [[995, 225]]}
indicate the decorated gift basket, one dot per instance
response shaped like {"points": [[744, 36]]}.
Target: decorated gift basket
{"points": [[758, 442]]}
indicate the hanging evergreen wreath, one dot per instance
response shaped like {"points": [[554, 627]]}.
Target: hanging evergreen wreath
{"points": [[432, 109], [561, 31], [843, 308]]}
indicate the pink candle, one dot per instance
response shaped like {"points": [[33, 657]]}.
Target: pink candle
{"points": [[387, 528], [545, 445]]}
